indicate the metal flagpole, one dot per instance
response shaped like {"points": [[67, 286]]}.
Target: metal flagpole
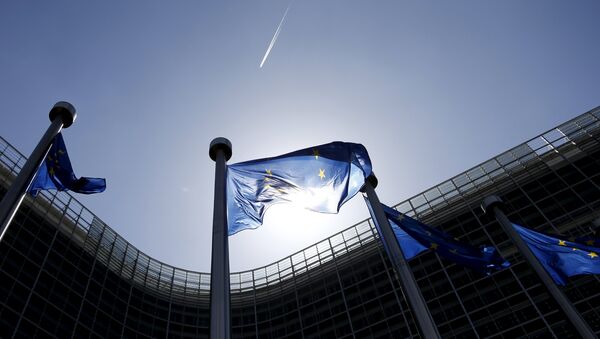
{"points": [[220, 152], [494, 204], [407, 280], [62, 116]]}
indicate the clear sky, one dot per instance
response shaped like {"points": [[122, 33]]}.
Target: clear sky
{"points": [[431, 88]]}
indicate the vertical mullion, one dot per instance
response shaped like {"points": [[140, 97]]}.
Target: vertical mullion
{"points": [[456, 295], [337, 273], [130, 292], [39, 273]]}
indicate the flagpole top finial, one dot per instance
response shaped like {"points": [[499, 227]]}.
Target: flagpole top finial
{"points": [[371, 179], [65, 111], [488, 204], [220, 143]]}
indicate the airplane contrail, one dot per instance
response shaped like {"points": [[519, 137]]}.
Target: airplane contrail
{"points": [[275, 35]]}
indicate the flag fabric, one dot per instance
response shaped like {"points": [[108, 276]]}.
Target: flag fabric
{"points": [[415, 237], [560, 257], [410, 247], [320, 178], [56, 172], [589, 241]]}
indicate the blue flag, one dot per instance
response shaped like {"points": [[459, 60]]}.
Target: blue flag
{"points": [[560, 257], [589, 241], [56, 172], [320, 178], [415, 237]]}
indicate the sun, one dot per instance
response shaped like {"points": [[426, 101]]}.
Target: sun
{"points": [[287, 229]]}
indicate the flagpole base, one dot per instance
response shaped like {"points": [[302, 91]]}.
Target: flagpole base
{"points": [[220, 143], [65, 111]]}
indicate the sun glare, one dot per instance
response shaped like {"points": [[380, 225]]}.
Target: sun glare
{"points": [[287, 229]]}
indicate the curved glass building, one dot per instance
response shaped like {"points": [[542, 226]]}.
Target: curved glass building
{"points": [[66, 274]]}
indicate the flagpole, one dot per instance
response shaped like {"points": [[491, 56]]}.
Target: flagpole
{"points": [[220, 152], [493, 204], [407, 279], [62, 115]]}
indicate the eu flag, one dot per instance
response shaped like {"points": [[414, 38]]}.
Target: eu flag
{"points": [[415, 237], [56, 172], [320, 178], [589, 241], [560, 257]]}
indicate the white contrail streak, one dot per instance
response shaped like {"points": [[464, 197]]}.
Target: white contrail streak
{"points": [[275, 35]]}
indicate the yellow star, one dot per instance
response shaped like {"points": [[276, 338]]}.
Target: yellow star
{"points": [[453, 251], [316, 153], [61, 152], [321, 173], [428, 233], [433, 246], [574, 249], [562, 243], [590, 242], [267, 186], [592, 255], [400, 217], [51, 170], [268, 173]]}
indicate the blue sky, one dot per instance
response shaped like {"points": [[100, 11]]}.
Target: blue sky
{"points": [[431, 88]]}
